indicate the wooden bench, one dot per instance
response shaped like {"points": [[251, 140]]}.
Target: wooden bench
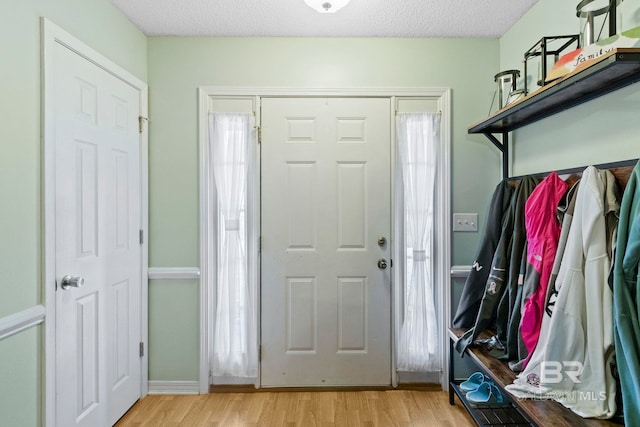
{"points": [[533, 412]]}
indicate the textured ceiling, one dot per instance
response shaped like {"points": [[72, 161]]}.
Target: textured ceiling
{"points": [[360, 18]]}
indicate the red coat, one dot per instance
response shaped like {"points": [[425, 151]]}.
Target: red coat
{"points": [[543, 233]]}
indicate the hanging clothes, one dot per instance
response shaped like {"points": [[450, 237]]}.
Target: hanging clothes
{"points": [[543, 233], [496, 285], [474, 286], [626, 290], [565, 210], [509, 308], [572, 363]]}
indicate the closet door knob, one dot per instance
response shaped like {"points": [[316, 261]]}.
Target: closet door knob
{"points": [[70, 281]]}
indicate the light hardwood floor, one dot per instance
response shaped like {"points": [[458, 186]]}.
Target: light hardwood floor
{"points": [[304, 409]]}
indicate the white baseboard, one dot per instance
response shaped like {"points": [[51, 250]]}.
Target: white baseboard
{"points": [[174, 387], [405, 378], [234, 381]]}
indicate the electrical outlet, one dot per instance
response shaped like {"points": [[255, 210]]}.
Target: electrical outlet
{"points": [[465, 222]]}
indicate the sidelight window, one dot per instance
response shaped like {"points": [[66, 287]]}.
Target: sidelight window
{"points": [[235, 332], [418, 144]]}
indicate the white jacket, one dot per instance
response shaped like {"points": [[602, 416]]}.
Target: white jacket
{"points": [[571, 363]]}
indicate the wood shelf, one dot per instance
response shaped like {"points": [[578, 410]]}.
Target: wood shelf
{"points": [[616, 69], [541, 412]]}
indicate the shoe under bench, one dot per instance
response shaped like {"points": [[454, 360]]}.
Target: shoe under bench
{"points": [[512, 411]]}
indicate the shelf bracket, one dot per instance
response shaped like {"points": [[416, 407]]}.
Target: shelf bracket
{"points": [[495, 141], [503, 146]]}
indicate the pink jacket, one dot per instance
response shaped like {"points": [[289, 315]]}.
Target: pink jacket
{"points": [[543, 232]]}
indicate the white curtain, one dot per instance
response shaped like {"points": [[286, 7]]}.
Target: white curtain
{"points": [[418, 144], [235, 333]]}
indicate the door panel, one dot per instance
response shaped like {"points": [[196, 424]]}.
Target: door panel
{"points": [[97, 196], [352, 207], [325, 203]]}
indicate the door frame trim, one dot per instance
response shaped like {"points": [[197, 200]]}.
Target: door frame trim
{"points": [[443, 206], [52, 34]]}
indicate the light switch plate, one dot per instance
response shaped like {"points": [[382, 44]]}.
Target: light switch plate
{"points": [[465, 222]]}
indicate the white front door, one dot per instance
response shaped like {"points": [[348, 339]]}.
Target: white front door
{"points": [[97, 211], [325, 204]]}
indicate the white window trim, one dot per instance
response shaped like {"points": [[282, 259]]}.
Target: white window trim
{"points": [[442, 208]]}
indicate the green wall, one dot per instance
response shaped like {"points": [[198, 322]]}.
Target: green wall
{"points": [[99, 24], [179, 65], [174, 330], [21, 397], [603, 130]]}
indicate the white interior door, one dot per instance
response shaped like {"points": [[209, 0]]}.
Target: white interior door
{"points": [[325, 203], [97, 211]]}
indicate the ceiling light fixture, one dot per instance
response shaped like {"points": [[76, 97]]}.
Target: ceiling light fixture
{"points": [[327, 6]]}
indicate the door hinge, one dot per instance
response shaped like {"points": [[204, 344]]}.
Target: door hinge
{"points": [[141, 121], [259, 245], [141, 349], [259, 135], [141, 236], [260, 354]]}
